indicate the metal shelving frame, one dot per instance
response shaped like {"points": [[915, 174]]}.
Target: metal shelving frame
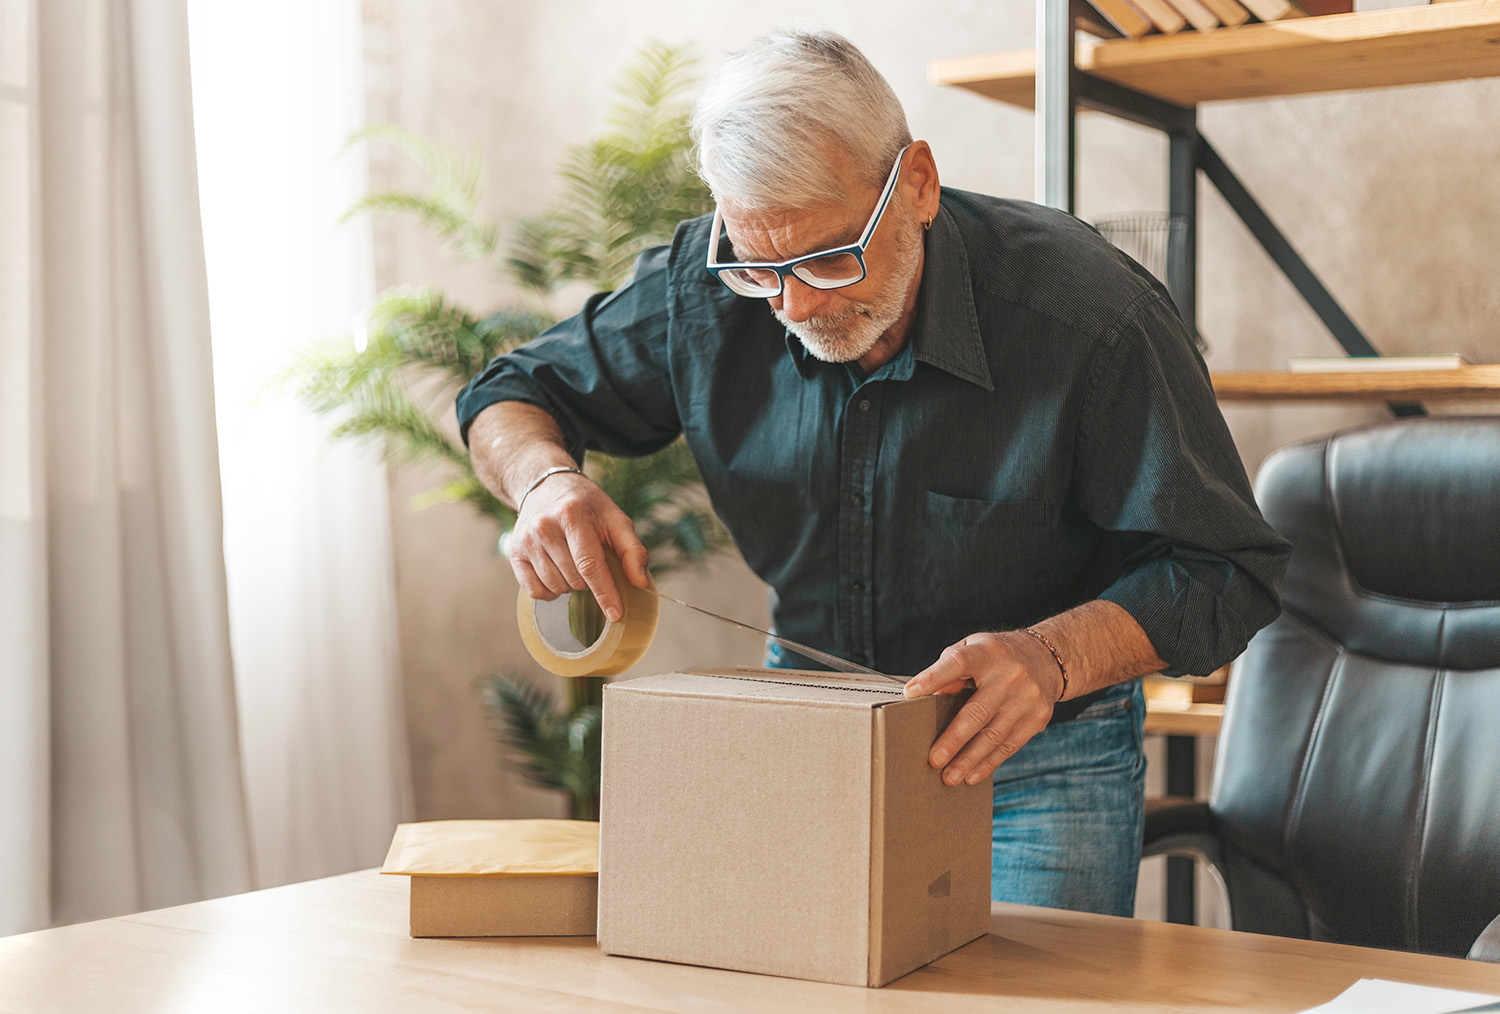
{"points": [[1061, 88]]}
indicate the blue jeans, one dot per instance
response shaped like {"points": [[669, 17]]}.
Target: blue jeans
{"points": [[1069, 810]]}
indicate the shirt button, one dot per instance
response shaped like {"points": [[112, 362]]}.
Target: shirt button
{"points": [[856, 586], [864, 404], [857, 499]]}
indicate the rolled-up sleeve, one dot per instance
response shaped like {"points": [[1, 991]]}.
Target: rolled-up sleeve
{"points": [[602, 374], [1156, 462]]}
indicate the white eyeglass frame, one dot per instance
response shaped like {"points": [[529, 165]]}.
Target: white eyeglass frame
{"points": [[789, 267]]}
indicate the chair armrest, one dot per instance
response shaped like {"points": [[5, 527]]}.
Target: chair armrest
{"points": [[1177, 826], [1487, 947], [1180, 826], [1167, 816]]}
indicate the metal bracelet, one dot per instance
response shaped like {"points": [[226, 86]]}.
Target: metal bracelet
{"points": [[554, 470], [1055, 657]]}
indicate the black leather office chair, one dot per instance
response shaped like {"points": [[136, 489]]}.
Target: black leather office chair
{"points": [[1356, 790]]}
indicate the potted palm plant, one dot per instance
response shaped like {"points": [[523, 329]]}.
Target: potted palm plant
{"points": [[619, 194]]}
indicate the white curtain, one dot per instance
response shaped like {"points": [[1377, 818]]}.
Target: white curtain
{"points": [[119, 758], [277, 88]]}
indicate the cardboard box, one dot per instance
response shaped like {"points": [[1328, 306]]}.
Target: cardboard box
{"points": [[786, 823], [499, 878]]}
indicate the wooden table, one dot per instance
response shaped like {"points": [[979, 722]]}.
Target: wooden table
{"points": [[340, 945]]}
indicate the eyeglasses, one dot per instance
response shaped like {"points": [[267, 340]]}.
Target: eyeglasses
{"points": [[826, 269]]}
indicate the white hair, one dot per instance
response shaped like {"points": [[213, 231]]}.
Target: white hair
{"points": [[769, 121]]}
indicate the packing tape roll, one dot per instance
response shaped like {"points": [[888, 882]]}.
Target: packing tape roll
{"points": [[550, 638]]}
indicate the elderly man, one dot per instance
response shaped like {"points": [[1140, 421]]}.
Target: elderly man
{"points": [[958, 436]]}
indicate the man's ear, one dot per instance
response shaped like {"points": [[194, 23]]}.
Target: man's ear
{"points": [[919, 179]]}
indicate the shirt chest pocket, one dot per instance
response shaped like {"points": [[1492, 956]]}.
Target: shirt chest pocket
{"points": [[985, 546]]}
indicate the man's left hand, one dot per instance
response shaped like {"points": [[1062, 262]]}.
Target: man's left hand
{"points": [[1016, 683]]}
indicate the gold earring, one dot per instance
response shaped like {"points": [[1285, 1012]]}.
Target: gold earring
{"points": [[927, 224]]}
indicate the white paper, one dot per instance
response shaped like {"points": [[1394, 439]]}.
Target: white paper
{"points": [[1375, 364], [1379, 996]]}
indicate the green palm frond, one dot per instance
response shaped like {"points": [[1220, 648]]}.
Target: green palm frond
{"points": [[367, 397], [412, 332], [409, 433], [504, 330], [649, 87], [527, 722], [416, 326], [622, 192], [450, 208], [535, 259], [416, 341], [548, 747], [580, 771]]}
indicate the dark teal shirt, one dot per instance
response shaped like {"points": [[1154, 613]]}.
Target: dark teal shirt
{"points": [[1047, 436]]}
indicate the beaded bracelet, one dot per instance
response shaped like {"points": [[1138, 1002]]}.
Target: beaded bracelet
{"points": [[1055, 657]]}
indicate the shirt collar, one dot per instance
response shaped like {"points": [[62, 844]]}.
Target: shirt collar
{"points": [[945, 332]]}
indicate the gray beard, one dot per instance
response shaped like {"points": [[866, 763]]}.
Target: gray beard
{"points": [[848, 334], [842, 337]]}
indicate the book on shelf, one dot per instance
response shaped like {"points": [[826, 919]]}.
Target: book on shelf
{"points": [[1316, 8], [1124, 16], [1375, 364], [1197, 15], [1092, 22], [1274, 10], [1163, 15], [1229, 12]]}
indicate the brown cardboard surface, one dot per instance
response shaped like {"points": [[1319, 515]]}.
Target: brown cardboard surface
{"points": [[924, 900], [504, 906], [785, 823], [815, 688], [499, 878]]}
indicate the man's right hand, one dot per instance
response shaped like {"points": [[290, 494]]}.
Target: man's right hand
{"points": [[558, 543], [566, 522]]}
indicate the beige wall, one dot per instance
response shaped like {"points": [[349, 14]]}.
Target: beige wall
{"points": [[1392, 196]]}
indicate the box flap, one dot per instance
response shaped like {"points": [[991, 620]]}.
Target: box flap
{"points": [[495, 848], [819, 689]]}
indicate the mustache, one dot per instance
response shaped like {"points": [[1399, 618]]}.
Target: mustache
{"points": [[827, 322]]}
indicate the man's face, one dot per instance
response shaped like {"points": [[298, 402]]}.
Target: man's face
{"points": [[836, 325]]}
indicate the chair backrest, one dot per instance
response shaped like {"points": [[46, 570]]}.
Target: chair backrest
{"points": [[1357, 783]]}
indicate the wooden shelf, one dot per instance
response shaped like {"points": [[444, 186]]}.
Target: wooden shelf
{"points": [[1335, 52], [1172, 711], [1193, 720], [1468, 382]]}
